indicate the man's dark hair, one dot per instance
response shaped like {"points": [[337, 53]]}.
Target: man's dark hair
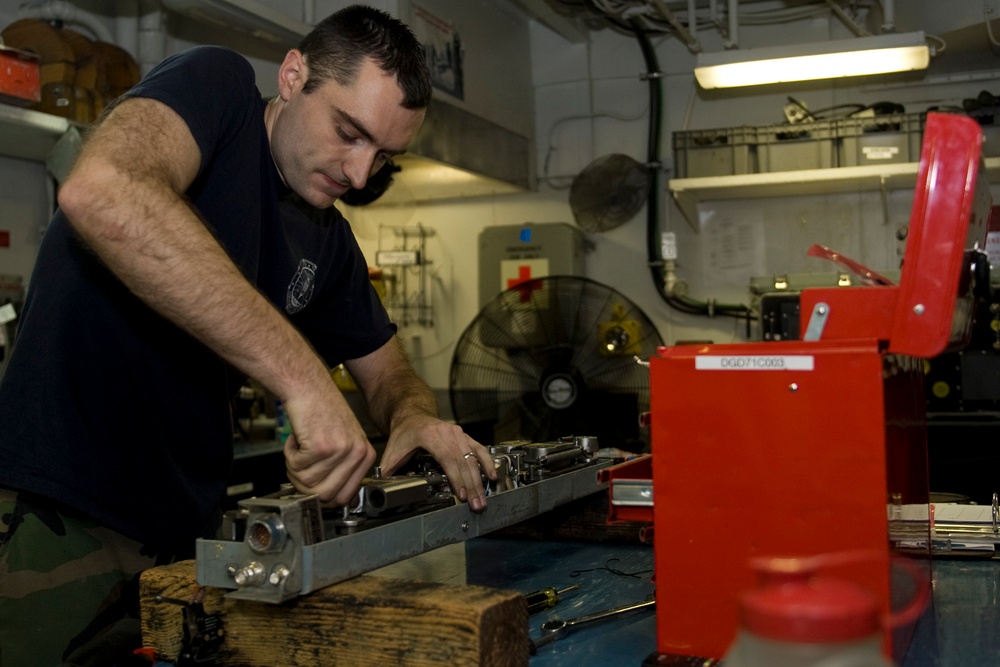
{"points": [[338, 45]]}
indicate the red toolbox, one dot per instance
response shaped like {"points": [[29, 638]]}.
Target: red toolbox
{"points": [[19, 77], [800, 448]]}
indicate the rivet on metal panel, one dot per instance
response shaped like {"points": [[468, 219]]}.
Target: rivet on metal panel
{"points": [[919, 309], [793, 387]]}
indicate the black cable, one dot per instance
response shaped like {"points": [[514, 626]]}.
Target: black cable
{"points": [[680, 303], [612, 570]]}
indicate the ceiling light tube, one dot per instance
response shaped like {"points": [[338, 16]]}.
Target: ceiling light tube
{"points": [[860, 56]]}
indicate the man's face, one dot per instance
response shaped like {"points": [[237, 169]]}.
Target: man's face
{"points": [[335, 137]]}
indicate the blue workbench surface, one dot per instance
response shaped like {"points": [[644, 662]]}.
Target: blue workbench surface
{"points": [[609, 576], [960, 629]]}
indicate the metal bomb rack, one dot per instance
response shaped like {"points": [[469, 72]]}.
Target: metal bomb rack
{"points": [[286, 544]]}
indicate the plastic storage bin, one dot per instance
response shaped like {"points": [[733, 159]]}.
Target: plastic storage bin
{"points": [[880, 139], [721, 152], [798, 146]]}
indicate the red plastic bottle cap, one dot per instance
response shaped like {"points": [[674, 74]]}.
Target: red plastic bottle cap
{"points": [[811, 610]]}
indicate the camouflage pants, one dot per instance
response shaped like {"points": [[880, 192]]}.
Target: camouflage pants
{"points": [[68, 587]]}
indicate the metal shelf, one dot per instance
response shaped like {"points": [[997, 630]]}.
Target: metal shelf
{"points": [[690, 192], [27, 134]]}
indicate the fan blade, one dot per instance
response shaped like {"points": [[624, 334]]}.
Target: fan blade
{"points": [[555, 328]]}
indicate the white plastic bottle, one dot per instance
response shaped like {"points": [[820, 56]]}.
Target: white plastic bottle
{"points": [[797, 619]]}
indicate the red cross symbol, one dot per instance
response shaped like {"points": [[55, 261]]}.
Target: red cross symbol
{"points": [[523, 276]]}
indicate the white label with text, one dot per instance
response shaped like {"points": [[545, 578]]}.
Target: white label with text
{"points": [[755, 362]]}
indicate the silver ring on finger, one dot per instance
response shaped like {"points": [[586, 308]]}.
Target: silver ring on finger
{"points": [[468, 454]]}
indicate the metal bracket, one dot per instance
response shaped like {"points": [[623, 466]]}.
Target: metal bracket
{"points": [[817, 321], [632, 492], [203, 634]]}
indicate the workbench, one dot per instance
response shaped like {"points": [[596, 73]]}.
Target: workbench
{"points": [[958, 630]]}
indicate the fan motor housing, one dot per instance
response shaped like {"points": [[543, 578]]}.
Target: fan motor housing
{"points": [[559, 390]]}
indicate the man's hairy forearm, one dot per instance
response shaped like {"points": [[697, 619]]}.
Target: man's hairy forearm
{"points": [[396, 391], [149, 236]]}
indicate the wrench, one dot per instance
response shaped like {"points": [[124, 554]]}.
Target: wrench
{"points": [[556, 629]]}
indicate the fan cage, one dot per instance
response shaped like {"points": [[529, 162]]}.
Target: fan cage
{"points": [[553, 357]]}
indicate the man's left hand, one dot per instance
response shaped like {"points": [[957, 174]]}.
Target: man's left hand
{"points": [[463, 459]]}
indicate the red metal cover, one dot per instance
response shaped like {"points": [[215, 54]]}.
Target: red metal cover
{"points": [[855, 312], [951, 207], [931, 308], [19, 78], [784, 449]]}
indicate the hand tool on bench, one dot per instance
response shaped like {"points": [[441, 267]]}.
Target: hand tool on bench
{"points": [[556, 629]]}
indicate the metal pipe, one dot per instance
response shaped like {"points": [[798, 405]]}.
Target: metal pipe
{"points": [[888, 15], [852, 25], [152, 37], [60, 10], [127, 25], [689, 40], [733, 16]]}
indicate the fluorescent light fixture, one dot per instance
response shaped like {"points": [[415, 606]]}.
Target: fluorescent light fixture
{"points": [[808, 62]]}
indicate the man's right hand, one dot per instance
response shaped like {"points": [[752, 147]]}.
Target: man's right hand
{"points": [[328, 453]]}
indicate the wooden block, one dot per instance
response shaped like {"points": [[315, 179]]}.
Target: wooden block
{"points": [[365, 621]]}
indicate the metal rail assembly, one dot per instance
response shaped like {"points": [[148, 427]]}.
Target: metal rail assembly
{"points": [[284, 545]]}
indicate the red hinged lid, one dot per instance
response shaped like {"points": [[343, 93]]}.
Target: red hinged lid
{"points": [[931, 309], [951, 209]]}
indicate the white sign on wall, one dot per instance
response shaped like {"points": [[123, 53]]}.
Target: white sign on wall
{"points": [[513, 272]]}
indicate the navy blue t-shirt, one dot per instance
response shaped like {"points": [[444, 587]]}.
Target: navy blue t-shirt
{"points": [[109, 408]]}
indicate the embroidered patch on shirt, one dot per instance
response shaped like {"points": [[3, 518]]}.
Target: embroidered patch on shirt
{"points": [[300, 290]]}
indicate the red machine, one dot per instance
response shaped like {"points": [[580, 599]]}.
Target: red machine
{"points": [[799, 448]]}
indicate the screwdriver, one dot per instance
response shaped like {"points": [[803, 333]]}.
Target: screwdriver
{"points": [[546, 598]]}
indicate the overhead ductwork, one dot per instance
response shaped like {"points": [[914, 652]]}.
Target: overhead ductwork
{"points": [[249, 16]]}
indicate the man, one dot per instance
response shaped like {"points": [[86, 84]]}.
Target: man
{"points": [[196, 245]]}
